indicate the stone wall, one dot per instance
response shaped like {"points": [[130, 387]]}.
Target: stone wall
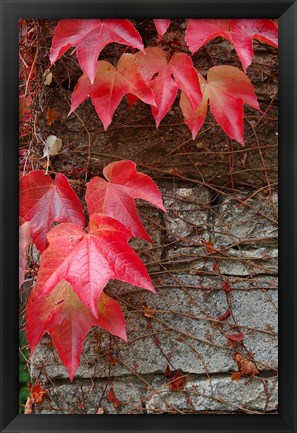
{"points": [[178, 332]]}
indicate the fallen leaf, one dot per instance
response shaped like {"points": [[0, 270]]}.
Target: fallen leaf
{"points": [[51, 116], [52, 147], [100, 411]]}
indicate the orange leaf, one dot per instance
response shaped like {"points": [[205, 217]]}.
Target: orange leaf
{"points": [[245, 366], [236, 376], [51, 116], [36, 393], [209, 247]]}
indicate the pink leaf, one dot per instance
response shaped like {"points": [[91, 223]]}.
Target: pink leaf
{"points": [[227, 89], [161, 26], [90, 36], [116, 197], [89, 260], [68, 321], [110, 86], [43, 202], [167, 77], [239, 32]]}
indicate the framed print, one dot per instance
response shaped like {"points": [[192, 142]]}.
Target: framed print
{"points": [[152, 215]]}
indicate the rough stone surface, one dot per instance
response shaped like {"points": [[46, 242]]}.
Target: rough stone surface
{"points": [[187, 332]]}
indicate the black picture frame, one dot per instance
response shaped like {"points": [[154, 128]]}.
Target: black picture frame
{"points": [[11, 12]]}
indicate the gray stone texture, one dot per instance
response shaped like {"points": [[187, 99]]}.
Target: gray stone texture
{"points": [[186, 331]]}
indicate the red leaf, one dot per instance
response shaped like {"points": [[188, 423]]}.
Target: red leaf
{"points": [[227, 89], [89, 260], [24, 242], [116, 197], [110, 86], [226, 286], [161, 26], [240, 33], [68, 321], [225, 315], [177, 383], [167, 77], [235, 338], [90, 36], [112, 398], [43, 203], [244, 366]]}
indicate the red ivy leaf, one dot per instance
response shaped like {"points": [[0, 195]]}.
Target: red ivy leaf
{"points": [[227, 89], [89, 260], [177, 383], [110, 86], [161, 26], [24, 242], [240, 33], [43, 202], [235, 338], [167, 77], [68, 321], [225, 315], [112, 398], [116, 197], [90, 37]]}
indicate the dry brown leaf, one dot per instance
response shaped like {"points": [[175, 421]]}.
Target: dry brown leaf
{"points": [[245, 366], [28, 406], [149, 312]]}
